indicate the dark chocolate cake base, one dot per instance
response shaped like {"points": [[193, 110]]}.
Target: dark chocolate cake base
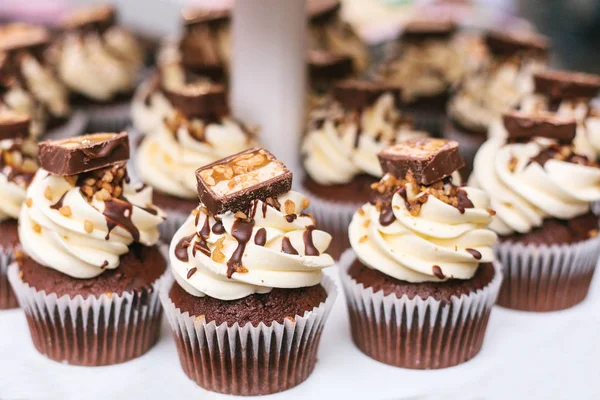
{"points": [[9, 241], [442, 331], [248, 359], [106, 320], [543, 279]]}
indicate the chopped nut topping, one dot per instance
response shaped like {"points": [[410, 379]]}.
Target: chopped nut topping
{"points": [[29, 202], [289, 207], [305, 204], [104, 183], [88, 226], [217, 254], [48, 193], [512, 164], [102, 195], [36, 227], [65, 211], [241, 215], [593, 233], [363, 239]]}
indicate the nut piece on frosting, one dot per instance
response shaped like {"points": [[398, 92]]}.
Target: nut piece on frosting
{"points": [[84, 153], [521, 125], [428, 159], [232, 183]]}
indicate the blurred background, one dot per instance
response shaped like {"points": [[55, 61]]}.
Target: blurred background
{"points": [[573, 25]]}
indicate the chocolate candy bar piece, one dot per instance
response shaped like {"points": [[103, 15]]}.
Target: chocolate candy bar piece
{"points": [[566, 85], [327, 66], [232, 183], [84, 153], [19, 36], [543, 124], [428, 159], [193, 17], [14, 125], [322, 11], [419, 29], [358, 94], [92, 18], [200, 99], [507, 44]]}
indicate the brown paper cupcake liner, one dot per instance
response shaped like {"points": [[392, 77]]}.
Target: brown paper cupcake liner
{"points": [[248, 360], [546, 278], [103, 330], [417, 333], [8, 299]]}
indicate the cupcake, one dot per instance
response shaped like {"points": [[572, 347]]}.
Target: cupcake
{"points": [[197, 129], [249, 301], [18, 163], [429, 60], [339, 150], [493, 89], [328, 32], [89, 276], [100, 62], [541, 190], [28, 84], [324, 71], [420, 278]]}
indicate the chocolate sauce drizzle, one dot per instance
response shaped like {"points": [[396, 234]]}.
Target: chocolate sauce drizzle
{"points": [[58, 205], [386, 216], [203, 236], [218, 228], [118, 213], [309, 246], [260, 239], [437, 271], [181, 248], [191, 272], [242, 232], [287, 248], [463, 201], [476, 254]]}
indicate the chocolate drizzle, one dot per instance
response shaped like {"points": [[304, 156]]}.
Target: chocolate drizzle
{"points": [[58, 205], [260, 239], [463, 201], [191, 272], [309, 246], [218, 228], [287, 248], [181, 248], [476, 254], [291, 218], [242, 232], [437, 271], [203, 236], [118, 213], [386, 216]]}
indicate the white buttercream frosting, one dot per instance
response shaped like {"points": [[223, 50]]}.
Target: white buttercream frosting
{"points": [[438, 242], [263, 265], [340, 144], [77, 239]]}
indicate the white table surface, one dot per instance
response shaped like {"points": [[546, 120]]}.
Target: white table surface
{"points": [[525, 356]]}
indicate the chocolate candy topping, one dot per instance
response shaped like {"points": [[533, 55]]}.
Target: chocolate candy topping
{"points": [[13, 125], [429, 28], [327, 66], [543, 124], [428, 159], [232, 183], [18, 36], [566, 85], [201, 99], [193, 17], [84, 153], [505, 44], [321, 11], [93, 18], [357, 94]]}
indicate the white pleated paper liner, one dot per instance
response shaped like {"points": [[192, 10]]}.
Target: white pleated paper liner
{"points": [[417, 333], [7, 296], [248, 360], [76, 125], [546, 278], [104, 330], [596, 207]]}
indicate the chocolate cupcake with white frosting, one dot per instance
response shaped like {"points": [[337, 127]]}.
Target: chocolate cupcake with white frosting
{"points": [[339, 150], [100, 62], [247, 266], [28, 84], [196, 129], [90, 270], [420, 278], [541, 189], [495, 88], [18, 164]]}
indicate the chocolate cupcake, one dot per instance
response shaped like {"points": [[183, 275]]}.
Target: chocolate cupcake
{"points": [[247, 265], [28, 84], [428, 59], [420, 278], [344, 135], [100, 62], [495, 88], [89, 276], [18, 164], [196, 130], [541, 190], [328, 32]]}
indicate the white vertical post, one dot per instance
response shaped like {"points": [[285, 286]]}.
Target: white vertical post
{"points": [[269, 72]]}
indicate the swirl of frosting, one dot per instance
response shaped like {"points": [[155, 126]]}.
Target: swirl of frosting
{"points": [[439, 241], [485, 94], [61, 228], [528, 182], [340, 145], [17, 167], [100, 66], [168, 159], [273, 245]]}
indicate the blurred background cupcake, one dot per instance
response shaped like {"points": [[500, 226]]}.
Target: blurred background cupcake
{"points": [[339, 150], [420, 278], [100, 62], [541, 190], [18, 164], [194, 128], [498, 86], [89, 240], [247, 266], [29, 85]]}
